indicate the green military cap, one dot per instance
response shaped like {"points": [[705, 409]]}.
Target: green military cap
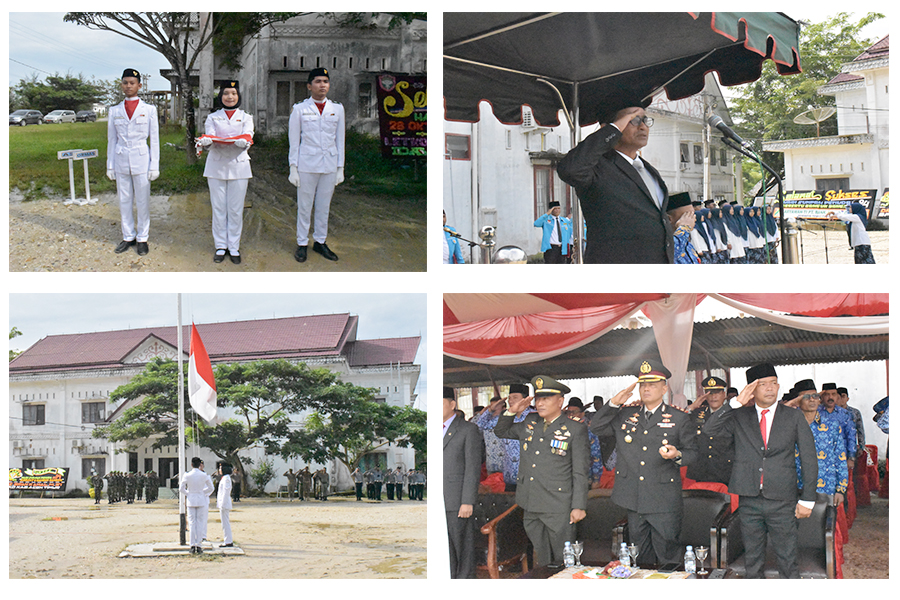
{"points": [[547, 386], [653, 370]]}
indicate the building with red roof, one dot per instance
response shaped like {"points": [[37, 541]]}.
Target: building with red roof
{"points": [[60, 387]]}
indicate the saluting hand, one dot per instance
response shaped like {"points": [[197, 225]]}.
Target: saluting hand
{"points": [[746, 395], [521, 405], [699, 402], [623, 396]]}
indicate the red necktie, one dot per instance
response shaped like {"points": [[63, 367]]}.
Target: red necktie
{"points": [[762, 430]]}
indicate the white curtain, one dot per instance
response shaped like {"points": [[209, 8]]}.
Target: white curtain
{"points": [[673, 326], [838, 325]]}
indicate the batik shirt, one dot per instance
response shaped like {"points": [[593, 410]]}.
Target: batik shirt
{"points": [[860, 429], [829, 438], [500, 454], [848, 428], [685, 254]]}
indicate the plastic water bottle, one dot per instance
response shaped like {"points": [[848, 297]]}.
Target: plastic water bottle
{"points": [[690, 563], [569, 555], [624, 556]]}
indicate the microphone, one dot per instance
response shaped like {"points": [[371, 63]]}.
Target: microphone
{"points": [[451, 232], [717, 122]]}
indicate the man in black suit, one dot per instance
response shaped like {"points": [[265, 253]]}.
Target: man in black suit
{"points": [[623, 198], [764, 474], [652, 440], [554, 468], [462, 472]]}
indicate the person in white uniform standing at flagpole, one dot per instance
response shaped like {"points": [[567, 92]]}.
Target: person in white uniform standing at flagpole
{"points": [[316, 159], [197, 487], [223, 501], [131, 163], [228, 135]]}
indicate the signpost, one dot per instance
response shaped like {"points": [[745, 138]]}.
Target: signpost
{"points": [[72, 156], [52, 479]]}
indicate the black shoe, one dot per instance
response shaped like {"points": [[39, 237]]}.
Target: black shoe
{"points": [[217, 258], [124, 245], [300, 254], [324, 250], [235, 258], [143, 248]]}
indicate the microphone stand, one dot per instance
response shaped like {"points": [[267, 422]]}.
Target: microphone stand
{"points": [[471, 247], [780, 195]]}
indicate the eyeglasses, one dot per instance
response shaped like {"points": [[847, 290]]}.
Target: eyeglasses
{"points": [[648, 121], [808, 396]]}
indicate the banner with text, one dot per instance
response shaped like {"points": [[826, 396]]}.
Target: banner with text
{"points": [[51, 479], [816, 204], [402, 115]]}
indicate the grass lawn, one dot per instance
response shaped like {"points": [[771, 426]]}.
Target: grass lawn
{"points": [[36, 172]]}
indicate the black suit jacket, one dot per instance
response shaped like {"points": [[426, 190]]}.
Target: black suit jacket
{"points": [[462, 464], [776, 461], [624, 223]]}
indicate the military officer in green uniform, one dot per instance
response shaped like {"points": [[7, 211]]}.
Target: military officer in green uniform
{"points": [[97, 483], [714, 453], [554, 468], [653, 440]]}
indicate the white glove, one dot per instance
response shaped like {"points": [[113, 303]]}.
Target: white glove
{"points": [[242, 143], [294, 177], [205, 141], [152, 175], [111, 174], [340, 175]]}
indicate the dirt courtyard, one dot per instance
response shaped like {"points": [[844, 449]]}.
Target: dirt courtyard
{"points": [[340, 538]]}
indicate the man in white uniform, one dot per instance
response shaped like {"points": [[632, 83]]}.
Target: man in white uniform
{"points": [[316, 158], [131, 163], [223, 501], [197, 487]]}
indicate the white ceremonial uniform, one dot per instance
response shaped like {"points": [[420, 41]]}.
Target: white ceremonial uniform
{"points": [[227, 171], [223, 501], [128, 154], [196, 487], [317, 150]]}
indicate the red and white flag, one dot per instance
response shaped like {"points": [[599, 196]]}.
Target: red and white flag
{"points": [[201, 383]]}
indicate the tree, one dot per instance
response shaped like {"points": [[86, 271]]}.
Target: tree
{"points": [[350, 424], [66, 92], [181, 38], [765, 109], [13, 333], [263, 474], [263, 395]]}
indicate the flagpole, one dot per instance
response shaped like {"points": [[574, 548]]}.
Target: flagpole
{"points": [[181, 464]]}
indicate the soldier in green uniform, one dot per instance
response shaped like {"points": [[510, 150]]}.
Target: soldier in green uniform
{"points": [[152, 486], [554, 468], [653, 439], [96, 482], [130, 487], [714, 453], [141, 481]]}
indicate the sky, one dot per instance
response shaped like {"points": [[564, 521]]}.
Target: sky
{"points": [[380, 315]]}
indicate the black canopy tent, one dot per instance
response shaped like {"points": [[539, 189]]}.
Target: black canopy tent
{"points": [[578, 61]]}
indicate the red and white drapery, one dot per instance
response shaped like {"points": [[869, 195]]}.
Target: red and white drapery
{"points": [[508, 329]]}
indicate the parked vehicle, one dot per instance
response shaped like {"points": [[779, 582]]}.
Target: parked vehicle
{"points": [[24, 116], [60, 116], [85, 116]]}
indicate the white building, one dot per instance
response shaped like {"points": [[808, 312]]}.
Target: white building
{"points": [[505, 175], [858, 157], [59, 389], [277, 61]]}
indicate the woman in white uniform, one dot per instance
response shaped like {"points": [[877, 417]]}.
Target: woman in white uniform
{"points": [[223, 501], [228, 135], [857, 224]]}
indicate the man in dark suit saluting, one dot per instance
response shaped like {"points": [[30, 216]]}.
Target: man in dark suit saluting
{"points": [[764, 474], [623, 198], [462, 472]]}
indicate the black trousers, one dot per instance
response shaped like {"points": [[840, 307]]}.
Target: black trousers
{"points": [[553, 256], [359, 491], [461, 534], [764, 520], [656, 536]]}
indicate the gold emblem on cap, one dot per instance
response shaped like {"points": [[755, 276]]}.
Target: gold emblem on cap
{"points": [[711, 382], [645, 367], [538, 383]]}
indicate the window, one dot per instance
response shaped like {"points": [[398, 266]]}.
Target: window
{"points": [[457, 147], [712, 157], [723, 157], [698, 155], [35, 463], [685, 152], [548, 187], [97, 464], [838, 183], [93, 412], [33, 414], [365, 100]]}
